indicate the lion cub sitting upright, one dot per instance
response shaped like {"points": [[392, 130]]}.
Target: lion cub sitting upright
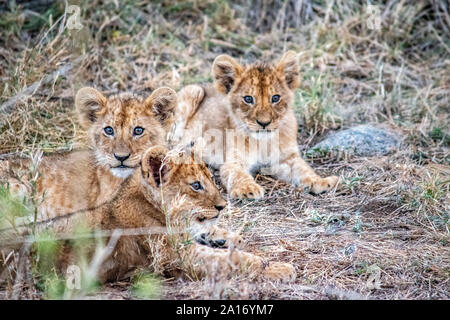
{"points": [[120, 129], [247, 124]]}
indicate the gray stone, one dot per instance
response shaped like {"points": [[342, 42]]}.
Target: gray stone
{"points": [[363, 140]]}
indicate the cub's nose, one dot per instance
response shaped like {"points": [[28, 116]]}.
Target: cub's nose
{"points": [[263, 124], [121, 157], [219, 207]]}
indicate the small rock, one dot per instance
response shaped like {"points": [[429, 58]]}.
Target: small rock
{"points": [[363, 140]]}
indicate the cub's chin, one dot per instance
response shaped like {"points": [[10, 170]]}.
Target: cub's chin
{"points": [[122, 172]]}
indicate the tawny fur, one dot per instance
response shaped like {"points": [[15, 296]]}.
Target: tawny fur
{"points": [[86, 179], [210, 111], [163, 196]]}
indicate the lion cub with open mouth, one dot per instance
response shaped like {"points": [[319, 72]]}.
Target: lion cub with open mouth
{"points": [[248, 125]]}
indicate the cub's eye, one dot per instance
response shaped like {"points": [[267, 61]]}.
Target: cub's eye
{"points": [[248, 99], [196, 186], [109, 131], [275, 98], [138, 131]]}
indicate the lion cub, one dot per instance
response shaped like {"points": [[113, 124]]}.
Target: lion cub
{"points": [[248, 125], [173, 192], [120, 128]]}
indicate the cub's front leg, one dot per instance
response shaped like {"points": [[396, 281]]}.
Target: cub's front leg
{"points": [[239, 182], [210, 261], [293, 169]]}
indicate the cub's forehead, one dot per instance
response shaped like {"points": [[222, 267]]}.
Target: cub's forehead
{"points": [[195, 170], [125, 108], [260, 75]]}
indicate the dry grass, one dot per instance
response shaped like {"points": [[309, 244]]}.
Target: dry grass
{"points": [[390, 217]]}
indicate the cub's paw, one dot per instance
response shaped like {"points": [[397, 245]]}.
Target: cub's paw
{"points": [[216, 241], [221, 238], [278, 271], [233, 240], [320, 185], [249, 190]]}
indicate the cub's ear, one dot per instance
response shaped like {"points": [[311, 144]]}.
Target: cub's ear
{"points": [[289, 68], [163, 102], [88, 103], [225, 70], [154, 169]]}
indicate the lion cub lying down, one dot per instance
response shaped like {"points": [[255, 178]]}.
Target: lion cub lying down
{"points": [[248, 124], [172, 192]]}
